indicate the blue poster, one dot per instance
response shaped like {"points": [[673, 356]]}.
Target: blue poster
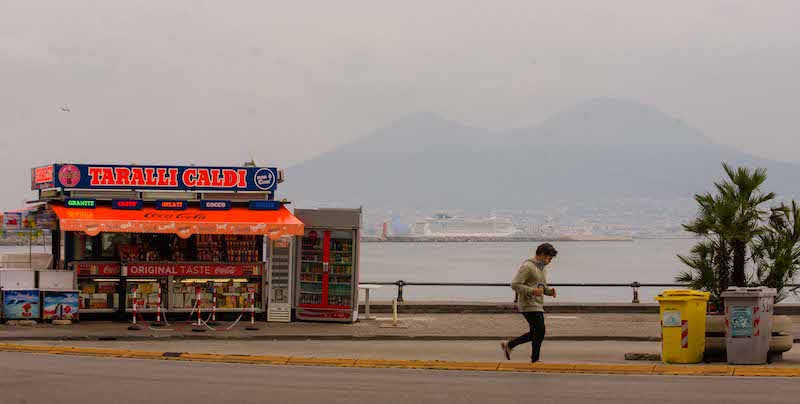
{"points": [[21, 304], [60, 305], [671, 318], [741, 322]]}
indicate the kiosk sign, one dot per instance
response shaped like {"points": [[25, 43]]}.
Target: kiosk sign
{"points": [[172, 205], [215, 205], [80, 203], [183, 178], [43, 177], [127, 204]]}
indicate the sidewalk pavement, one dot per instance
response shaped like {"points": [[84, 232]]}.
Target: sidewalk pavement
{"points": [[564, 327]]}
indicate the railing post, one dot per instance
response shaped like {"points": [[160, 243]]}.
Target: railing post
{"points": [[400, 290], [635, 285]]}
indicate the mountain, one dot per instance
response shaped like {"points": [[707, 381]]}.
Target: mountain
{"points": [[599, 150]]}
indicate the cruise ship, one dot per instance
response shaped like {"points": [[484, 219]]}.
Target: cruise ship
{"points": [[443, 225]]}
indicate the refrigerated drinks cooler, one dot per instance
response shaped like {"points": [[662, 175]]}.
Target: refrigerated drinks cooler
{"points": [[326, 287], [280, 285]]}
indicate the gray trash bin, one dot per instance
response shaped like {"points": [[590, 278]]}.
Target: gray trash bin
{"points": [[748, 324]]}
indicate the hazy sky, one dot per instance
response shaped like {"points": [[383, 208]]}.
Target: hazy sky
{"points": [[212, 81]]}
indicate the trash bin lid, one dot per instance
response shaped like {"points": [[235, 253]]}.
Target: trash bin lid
{"points": [[758, 291], [682, 294]]}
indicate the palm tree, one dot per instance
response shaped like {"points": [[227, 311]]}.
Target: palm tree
{"points": [[729, 221], [776, 253], [714, 223], [705, 274], [742, 189]]}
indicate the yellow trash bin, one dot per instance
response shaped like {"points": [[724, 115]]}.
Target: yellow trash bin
{"points": [[683, 325]]}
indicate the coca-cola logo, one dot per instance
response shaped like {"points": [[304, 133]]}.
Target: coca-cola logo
{"points": [[229, 270], [175, 216], [97, 269], [69, 176]]}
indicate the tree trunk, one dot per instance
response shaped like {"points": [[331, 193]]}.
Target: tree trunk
{"points": [[722, 266], [739, 254]]}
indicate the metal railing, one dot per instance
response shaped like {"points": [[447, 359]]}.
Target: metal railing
{"points": [[401, 285], [633, 285]]}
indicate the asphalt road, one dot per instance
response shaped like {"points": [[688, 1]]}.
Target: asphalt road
{"points": [[33, 378]]}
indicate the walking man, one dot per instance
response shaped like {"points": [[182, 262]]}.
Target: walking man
{"points": [[531, 286]]}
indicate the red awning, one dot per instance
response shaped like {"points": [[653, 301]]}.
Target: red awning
{"points": [[184, 223]]}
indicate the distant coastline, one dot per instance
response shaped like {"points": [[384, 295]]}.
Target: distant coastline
{"points": [[20, 242]]}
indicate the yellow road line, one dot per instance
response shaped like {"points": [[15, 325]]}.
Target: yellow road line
{"points": [[447, 365], [390, 363], [536, 367], [682, 370], [766, 371], [263, 360], [338, 362], [615, 369]]}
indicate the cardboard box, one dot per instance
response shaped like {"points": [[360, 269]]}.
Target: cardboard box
{"points": [[98, 304]]}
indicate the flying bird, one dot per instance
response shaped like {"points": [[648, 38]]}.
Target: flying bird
{"points": [[65, 108]]}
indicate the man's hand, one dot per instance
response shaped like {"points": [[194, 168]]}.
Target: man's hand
{"points": [[538, 292], [554, 292]]}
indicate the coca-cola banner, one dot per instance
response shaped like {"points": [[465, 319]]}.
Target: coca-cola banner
{"points": [[169, 269], [173, 269], [239, 220], [96, 268]]}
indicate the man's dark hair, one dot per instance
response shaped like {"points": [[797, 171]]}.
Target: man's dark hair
{"points": [[546, 249]]}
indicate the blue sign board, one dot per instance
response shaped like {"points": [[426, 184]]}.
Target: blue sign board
{"points": [[741, 322], [127, 204], [265, 205], [215, 205], [21, 304], [172, 205], [98, 176]]}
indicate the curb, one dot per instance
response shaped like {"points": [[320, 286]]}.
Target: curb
{"points": [[566, 368]]}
